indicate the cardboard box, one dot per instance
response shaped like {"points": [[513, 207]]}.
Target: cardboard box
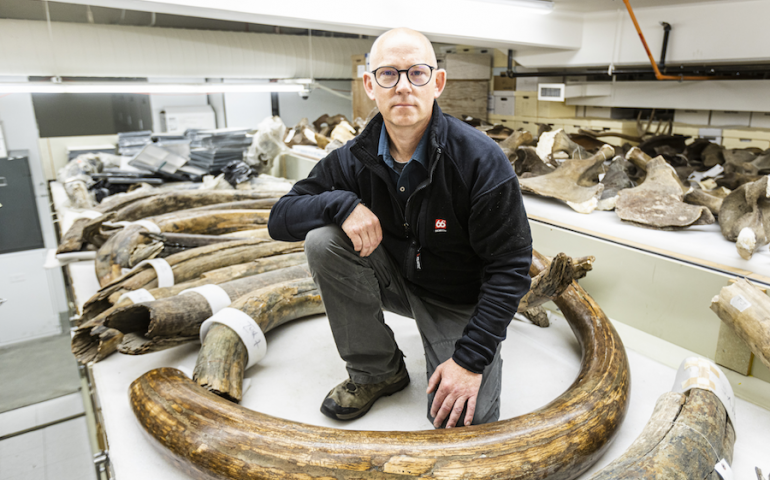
{"points": [[360, 65], [722, 118], [692, 117], [468, 66], [760, 120], [555, 110], [526, 104], [504, 103], [598, 112], [504, 83]]}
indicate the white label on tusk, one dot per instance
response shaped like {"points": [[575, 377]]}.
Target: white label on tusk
{"points": [[215, 295], [697, 372], [137, 296], [246, 328], [739, 303], [724, 470]]}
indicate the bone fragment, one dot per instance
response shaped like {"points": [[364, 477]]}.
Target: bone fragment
{"points": [[657, 203], [573, 182], [746, 308], [705, 199], [743, 216]]}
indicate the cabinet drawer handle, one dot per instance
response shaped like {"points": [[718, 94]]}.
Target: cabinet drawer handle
{"points": [[2, 301], [3, 182]]}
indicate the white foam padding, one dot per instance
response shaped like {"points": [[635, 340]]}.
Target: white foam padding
{"points": [[246, 328], [698, 372], [215, 295]]}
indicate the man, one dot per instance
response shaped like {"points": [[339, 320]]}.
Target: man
{"points": [[420, 215]]}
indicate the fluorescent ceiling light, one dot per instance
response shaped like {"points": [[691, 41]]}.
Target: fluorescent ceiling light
{"points": [[151, 88]]}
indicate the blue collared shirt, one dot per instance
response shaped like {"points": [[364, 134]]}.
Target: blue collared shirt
{"points": [[415, 171]]}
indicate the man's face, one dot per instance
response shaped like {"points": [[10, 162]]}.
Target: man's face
{"points": [[404, 105]]}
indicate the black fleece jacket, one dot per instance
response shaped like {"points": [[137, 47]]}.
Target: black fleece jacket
{"points": [[462, 237]]}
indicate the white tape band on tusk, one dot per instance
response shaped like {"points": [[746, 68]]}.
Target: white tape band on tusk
{"points": [[697, 372], [152, 227], [215, 295], [246, 328], [162, 270], [137, 296], [89, 214]]}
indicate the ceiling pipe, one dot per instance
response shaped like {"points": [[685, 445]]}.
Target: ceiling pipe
{"points": [[666, 32], [658, 75]]}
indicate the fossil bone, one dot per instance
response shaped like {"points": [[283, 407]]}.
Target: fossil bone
{"points": [[615, 180], [573, 182], [742, 217], [657, 203], [746, 308]]}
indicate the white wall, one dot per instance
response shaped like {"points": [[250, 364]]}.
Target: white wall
{"points": [[733, 32], [38, 294], [293, 108], [159, 102]]}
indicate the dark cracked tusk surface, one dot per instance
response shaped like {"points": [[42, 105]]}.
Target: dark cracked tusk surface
{"points": [[209, 437]]}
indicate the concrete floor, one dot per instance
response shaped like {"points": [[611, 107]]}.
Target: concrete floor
{"points": [[37, 370]]}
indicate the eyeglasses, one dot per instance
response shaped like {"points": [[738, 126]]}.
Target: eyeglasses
{"points": [[418, 75]]}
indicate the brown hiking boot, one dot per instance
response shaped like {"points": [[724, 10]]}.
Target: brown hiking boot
{"points": [[350, 400]]}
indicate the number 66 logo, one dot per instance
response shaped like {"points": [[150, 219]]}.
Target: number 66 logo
{"points": [[440, 225]]}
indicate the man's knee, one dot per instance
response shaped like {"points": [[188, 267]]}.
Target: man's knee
{"points": [[320, 244]]}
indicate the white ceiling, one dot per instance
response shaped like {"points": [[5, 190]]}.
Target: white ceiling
{"points": [[587, 6]]}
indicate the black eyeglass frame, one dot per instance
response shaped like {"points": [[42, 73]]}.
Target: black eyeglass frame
{"points": [[374, 74]]}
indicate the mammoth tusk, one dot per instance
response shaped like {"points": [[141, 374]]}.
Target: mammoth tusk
{"points": [[214, 438]]}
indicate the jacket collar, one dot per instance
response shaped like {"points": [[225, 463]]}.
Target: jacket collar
{"points": [[367, 143]]}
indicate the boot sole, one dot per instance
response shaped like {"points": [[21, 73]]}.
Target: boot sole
{"points": [[395, 388]]}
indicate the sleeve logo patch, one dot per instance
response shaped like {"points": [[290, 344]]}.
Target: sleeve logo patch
{"points": [[440, 225]]}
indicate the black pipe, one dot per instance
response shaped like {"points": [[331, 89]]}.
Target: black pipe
{"points": [[666, 31], [744, 71], [510, 71]]}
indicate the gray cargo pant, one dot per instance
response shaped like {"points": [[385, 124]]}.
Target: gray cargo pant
{"points": [[356, 289]]}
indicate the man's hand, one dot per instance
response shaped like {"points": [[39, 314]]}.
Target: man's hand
{"points": [[456, 386], [363, 228]]}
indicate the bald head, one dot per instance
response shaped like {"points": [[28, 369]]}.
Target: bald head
{"points": [[401, 41]]}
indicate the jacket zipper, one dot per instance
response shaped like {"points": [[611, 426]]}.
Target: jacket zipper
{"points": [[413, 259]]}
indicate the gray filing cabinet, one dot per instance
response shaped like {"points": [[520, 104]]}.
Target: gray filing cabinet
{"points": [[19, 222]]}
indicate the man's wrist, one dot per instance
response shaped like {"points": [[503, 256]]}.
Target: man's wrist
{"points": [[459, 361]]}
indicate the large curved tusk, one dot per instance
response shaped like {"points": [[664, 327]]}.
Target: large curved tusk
{"points": [[210, 437]]}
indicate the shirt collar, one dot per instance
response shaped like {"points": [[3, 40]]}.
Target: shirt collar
{"points": [[420, 154]]}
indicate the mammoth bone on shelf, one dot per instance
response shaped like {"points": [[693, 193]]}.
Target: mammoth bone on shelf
{"points": [[746, 309], [658, 201], [240, 443], [743, 217], [574, 181]]}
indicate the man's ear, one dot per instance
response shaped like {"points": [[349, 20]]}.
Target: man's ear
{"points": [[369, 85], [440, 82]]}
